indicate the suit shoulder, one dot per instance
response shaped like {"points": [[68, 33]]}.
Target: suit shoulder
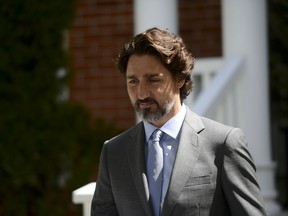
{"points": [[217, 130], [212, 124], [122, 137]]}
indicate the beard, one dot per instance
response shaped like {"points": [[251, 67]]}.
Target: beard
{"points": [[150, 115]]}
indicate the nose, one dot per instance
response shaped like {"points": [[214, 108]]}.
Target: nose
{"points": [[143, 91]]}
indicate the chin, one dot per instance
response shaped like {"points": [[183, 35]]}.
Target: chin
{"points": [[152, 117]]}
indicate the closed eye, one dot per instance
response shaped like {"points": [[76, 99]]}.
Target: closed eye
{"points": [[154, 80], [132, 81]]}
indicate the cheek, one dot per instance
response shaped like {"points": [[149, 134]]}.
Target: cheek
{"points": [[131, 94], [165, 91]]}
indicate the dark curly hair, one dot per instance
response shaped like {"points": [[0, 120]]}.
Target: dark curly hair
{"points": [[168, 48]]}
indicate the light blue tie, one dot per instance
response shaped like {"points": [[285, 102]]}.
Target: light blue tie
{"points": [[155, 171]]}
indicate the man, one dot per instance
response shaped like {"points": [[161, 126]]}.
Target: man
{"points": [[192, 165]]}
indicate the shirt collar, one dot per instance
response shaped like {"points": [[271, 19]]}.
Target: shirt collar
{"points": [[172, 127]]}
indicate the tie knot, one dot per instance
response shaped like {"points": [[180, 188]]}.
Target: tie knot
{"points": [[156, 136]]}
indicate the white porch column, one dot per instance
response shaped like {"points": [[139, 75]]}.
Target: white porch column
{"points": [[155, 13], [244, 25]]}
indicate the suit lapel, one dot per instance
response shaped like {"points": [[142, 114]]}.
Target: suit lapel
{"points": [[135, 149], [186, 158]]}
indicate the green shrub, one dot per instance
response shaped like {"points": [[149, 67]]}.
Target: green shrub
{"points": [[48, 147]]}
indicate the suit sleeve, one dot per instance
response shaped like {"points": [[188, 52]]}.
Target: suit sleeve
{"points": [[239, 177], [103, 202]]}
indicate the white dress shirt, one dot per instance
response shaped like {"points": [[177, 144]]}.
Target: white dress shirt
{"points": [[169, 142]]}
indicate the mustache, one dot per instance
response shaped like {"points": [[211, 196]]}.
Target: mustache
{"points": [[146, 100]]}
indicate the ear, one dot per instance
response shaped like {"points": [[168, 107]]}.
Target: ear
{"points": [[180, 83]]}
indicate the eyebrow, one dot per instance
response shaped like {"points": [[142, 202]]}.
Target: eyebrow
{"points": [[130, 77], [146, 76]]}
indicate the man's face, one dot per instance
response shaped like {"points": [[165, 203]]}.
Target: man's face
{"points": [[152, 90]]}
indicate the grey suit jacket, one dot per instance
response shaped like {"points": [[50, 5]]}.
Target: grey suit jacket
{"points": [[213, 174]]}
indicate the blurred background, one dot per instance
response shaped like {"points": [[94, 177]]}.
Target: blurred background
{"points": [[61, 95]]}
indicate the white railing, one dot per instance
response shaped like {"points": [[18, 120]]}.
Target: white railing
{"points": [[84, 196], [203, 72], [220, 89], [216, 95]]}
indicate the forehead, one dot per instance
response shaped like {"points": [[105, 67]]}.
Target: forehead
{"points": [[140, 65]]}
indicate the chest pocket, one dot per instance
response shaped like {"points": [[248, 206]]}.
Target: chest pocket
{"points": [[199, 180]]}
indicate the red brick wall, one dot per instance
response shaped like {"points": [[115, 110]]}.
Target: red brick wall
{"points": [[200, 26], [99, 31]]}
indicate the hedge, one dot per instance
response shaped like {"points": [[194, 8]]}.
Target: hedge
{"points": [[48, 146]]}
